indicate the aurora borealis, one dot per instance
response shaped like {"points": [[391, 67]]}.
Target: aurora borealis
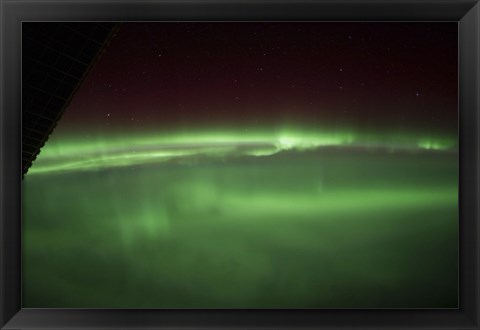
{"points": [[252, 165], [119, 152]]}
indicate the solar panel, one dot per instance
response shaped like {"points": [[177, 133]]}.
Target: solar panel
{"points": [[56, 56]]}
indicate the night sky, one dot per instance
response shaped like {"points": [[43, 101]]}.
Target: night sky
{"points": [[252, 165], [362, 75]]}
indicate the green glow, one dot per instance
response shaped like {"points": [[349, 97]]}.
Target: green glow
{"points": [[99, 153], [426, 143], [284, 218]]}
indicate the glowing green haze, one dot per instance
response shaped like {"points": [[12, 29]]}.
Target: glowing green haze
{"points": [[293, 218], [94, 154]]}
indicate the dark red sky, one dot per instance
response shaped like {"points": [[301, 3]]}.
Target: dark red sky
{"points": [[189, 74]]}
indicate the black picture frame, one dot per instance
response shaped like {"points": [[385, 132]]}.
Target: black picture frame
{"points": [[13, 12]]}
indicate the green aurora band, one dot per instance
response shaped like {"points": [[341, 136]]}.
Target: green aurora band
{"points": [[291, 218], [95, 154]]}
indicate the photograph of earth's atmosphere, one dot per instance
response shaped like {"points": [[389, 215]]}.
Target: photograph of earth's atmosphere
{"points": [[252, 165]]}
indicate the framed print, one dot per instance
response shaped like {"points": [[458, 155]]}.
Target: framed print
{"points": [[239, 164]]}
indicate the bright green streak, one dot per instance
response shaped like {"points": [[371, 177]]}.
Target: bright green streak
{"points": [[70, 154]]}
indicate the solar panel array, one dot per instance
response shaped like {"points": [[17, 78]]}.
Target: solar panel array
{"points": [[56, 56]]}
